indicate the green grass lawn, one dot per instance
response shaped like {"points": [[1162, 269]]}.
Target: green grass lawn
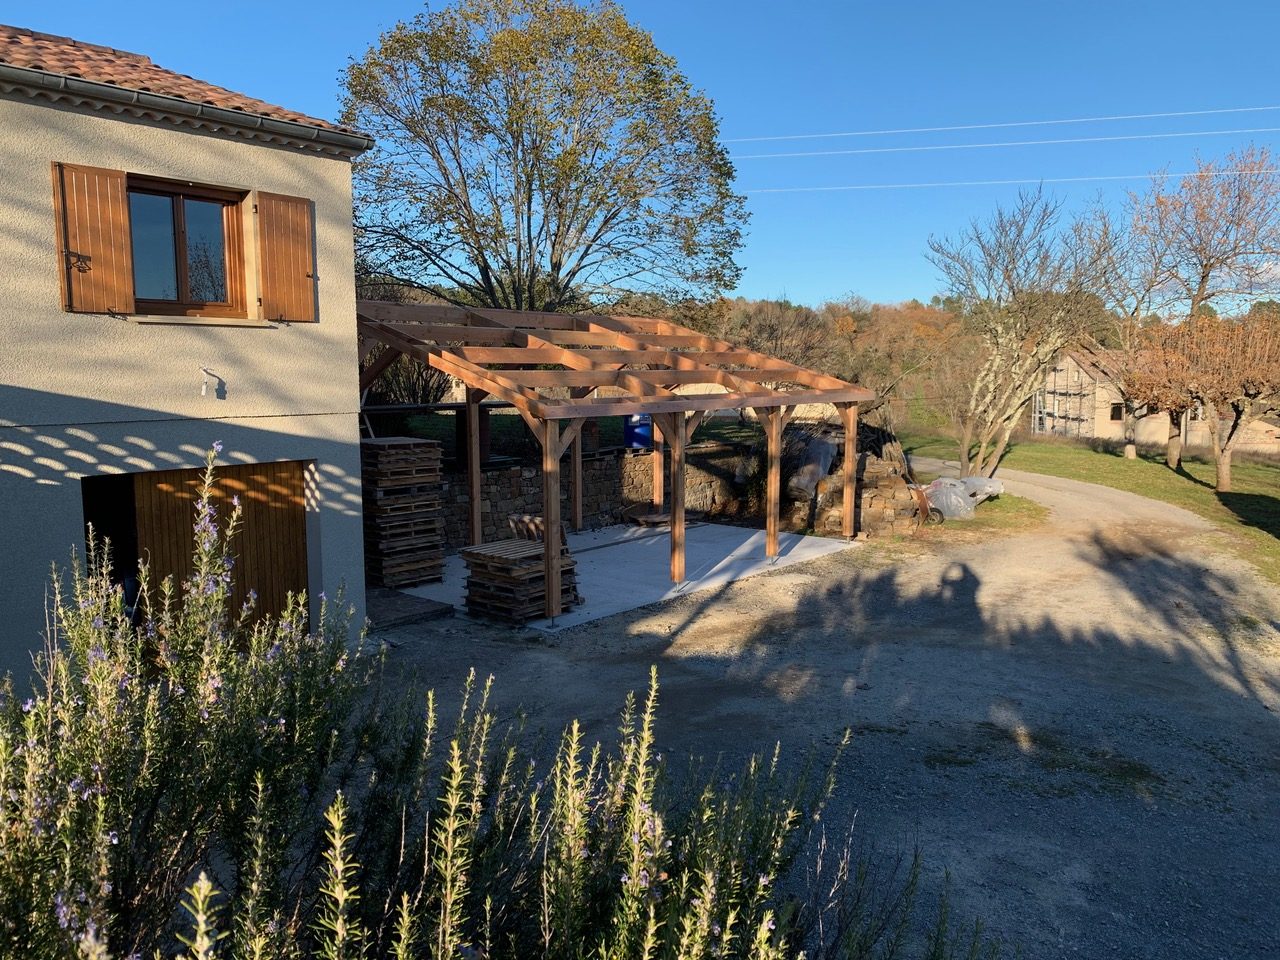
{"points": [[1250, 514]]}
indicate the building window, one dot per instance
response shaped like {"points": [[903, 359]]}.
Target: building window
{"points": [[188, 258], [132, 244], [1117, 411]]}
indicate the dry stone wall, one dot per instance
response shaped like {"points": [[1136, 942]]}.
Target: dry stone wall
{"points": [[615, 480], [612, 481]]}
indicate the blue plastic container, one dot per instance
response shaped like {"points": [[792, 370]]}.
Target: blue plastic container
{"points": [[637, 430]]}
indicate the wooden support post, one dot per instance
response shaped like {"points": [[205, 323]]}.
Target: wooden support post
{"points": [[551, 514], [575, 477], [658, 498], [676, 440], [772, 417], [474, 472], [849, 417]]}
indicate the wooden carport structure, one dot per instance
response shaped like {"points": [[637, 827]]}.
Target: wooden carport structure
{"points": [[564, 369]]}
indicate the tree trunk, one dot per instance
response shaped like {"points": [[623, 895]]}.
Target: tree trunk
{"points": [[1173, 452], [966, 438], [997, 453], [1223, 470], [1130, 433]]}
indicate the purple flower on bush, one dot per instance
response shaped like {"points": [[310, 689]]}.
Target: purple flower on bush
{"points": [[97, 623], [217, 446], [28, 705], [63, 911]]}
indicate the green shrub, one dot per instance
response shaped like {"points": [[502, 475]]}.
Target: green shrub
{"points": [[134, 761], [199, 783]]}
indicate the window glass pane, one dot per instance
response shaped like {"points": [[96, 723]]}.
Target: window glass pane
{"points": [[155, 265], [206, 253]]}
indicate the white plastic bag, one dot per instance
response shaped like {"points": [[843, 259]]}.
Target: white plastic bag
{"points": [[980, 488], [951, 497]]}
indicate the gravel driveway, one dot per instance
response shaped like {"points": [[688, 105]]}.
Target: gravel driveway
{"points": [[1081, 723]]}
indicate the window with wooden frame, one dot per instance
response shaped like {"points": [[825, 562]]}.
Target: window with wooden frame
{"points": [[132, 244], [187, 249]]}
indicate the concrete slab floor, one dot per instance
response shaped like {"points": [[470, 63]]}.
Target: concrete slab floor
{"points": [[622, 568]]}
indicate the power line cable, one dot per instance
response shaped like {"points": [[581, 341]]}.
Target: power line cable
{"points": [[1009, 143], [1002, 183], [995, 126]]}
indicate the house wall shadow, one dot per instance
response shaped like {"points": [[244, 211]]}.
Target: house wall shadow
{"points": [[41, 513]]}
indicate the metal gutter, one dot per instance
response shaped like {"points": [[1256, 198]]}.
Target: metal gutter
{"points": [[56, 85]]}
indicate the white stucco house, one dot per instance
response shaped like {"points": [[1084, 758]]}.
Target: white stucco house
{"points": [[176, 268]]}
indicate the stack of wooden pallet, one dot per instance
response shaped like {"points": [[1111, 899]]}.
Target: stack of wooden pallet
{"points": [[403, 529], [506, 581]]}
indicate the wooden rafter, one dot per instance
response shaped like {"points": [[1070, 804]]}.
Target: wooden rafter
{"points": [[544, 357]]}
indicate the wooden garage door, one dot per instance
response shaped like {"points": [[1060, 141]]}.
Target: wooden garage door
{"points": [[270, 547]]}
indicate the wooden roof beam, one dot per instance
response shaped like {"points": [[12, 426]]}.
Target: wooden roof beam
{"points": [[583, 361], [528, 403], [624, 406], [713, 346], [679, 361]]}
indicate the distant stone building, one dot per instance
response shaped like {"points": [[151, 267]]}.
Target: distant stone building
{"points": [[1079, 398]]}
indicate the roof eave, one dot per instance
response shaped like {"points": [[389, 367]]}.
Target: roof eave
{"points": [[59, 87]]}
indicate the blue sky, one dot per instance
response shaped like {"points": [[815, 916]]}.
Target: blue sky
{"points": [[777, 69]]}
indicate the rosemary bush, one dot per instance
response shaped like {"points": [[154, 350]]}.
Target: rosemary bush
{"points": [[208, 784]]}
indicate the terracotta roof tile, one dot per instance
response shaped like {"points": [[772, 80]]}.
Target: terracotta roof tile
{"points": [[131, 71]]}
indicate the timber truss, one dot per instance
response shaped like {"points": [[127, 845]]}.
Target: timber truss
{"points": [[565, 369]]}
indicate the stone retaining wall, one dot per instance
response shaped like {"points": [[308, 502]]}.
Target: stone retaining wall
{"points": [[615, 480], [612, 481]]}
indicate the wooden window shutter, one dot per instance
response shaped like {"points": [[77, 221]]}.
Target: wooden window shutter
{"points": [[95, 248], [286, 258]]}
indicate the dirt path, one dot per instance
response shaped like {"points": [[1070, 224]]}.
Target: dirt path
{"points": [[1080, 722]]}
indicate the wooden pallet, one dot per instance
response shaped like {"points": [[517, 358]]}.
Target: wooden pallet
{"points": [[493, 606], [391, 449], [507, 580], [403, 525]]}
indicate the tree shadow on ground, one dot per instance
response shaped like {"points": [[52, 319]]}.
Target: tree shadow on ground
{"points": [[1044, 748], [1190, 608], [1023, 733], [1254, 510]]}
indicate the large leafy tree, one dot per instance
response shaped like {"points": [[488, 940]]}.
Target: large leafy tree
{"points": [[539, 155]]}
